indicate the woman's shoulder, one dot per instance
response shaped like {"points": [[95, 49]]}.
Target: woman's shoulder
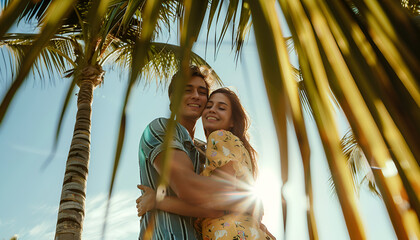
{"points": [[224, 138]]}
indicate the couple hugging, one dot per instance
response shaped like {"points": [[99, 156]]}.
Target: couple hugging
{"points": [[214, 203]]}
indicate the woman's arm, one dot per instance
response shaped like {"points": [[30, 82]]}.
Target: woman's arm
{"points": [[147, 201]]}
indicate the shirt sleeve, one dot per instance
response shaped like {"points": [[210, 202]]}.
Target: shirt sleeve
{"points": [[223, 147], [153, 138]]}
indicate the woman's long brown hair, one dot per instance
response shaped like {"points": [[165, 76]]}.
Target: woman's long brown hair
{"points": [[241, 124]]}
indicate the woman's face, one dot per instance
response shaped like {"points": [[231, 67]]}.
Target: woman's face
{"points": [[217, 114]]}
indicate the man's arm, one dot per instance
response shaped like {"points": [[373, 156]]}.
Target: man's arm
{"points": [[198, 190], [147, 202]]}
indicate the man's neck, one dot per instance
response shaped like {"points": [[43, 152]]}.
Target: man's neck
{"points": [[189, 125]]}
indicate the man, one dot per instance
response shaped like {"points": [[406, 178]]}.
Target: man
{"points": [[184, 181]]}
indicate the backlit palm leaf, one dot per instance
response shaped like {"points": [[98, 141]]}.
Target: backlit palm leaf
{"points": [[189, 30], [53, 18], [361, 171], [56, 57], [282, 93], [243, 28], [332, 47], [18, 9], [413, 6]]}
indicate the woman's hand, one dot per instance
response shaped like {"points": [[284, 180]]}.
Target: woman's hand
{"points": [[147, 201]]}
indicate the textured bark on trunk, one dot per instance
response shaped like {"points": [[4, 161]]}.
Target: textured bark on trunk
{"points": [[72, 203]]}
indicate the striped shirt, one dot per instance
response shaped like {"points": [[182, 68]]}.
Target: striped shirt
{"points": [[168, 225]]}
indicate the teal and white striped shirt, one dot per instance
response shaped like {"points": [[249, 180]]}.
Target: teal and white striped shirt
{"points": [[168, 225]]}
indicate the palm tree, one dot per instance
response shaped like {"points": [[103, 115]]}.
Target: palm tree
{"points": [[74, 36], [87, 48], [364, 55]]}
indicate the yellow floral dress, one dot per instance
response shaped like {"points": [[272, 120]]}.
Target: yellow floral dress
{"points": [[224, 147]]}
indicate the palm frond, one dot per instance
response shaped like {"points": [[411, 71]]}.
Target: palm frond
{"points": [[213, 7], [131, 13], [243, 28], [190, 28], [354, 50], [358, 164], [303, 94], [162, 61], [165, 59], [282, 92], [133, 10], [35, 10], [240, 29], [230, 18], [140, 51], [64, 108], [54, 16], [55, 58], [18, 9]]}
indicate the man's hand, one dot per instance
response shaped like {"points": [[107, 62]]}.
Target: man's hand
{"points": [[147, 201]]}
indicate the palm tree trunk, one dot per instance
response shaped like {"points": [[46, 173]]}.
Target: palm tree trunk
{"points": [[72, 203]]}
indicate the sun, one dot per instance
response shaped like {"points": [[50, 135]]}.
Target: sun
{"points": [[267, 188]]}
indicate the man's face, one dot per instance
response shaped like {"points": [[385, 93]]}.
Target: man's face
{"points": [[194, 99]]}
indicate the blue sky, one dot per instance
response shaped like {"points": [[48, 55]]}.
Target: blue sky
{"points": [[30, 195]]}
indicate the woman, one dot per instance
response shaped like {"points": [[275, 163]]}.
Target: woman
{"points": [[230, 157]]}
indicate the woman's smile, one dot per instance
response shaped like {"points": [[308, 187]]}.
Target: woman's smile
{"points": [[218, 113]]}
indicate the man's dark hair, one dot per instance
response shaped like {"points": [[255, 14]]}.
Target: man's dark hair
{"points": [[193, 71]]}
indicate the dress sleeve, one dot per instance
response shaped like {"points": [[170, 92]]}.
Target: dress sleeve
{"points": [[223, 147]]}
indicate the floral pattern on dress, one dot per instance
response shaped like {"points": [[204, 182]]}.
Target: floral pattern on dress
{"points": [[222, 148], [233, 226]]}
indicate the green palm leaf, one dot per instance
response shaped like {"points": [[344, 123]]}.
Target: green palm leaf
{"points": [[55, 58], [53, 19], [18, 9]]}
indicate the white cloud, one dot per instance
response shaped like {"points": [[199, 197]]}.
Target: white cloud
{"points": [[44, 230], [122, 222], [7, 222], [36, 151], [45, 209], [31, 150]]}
